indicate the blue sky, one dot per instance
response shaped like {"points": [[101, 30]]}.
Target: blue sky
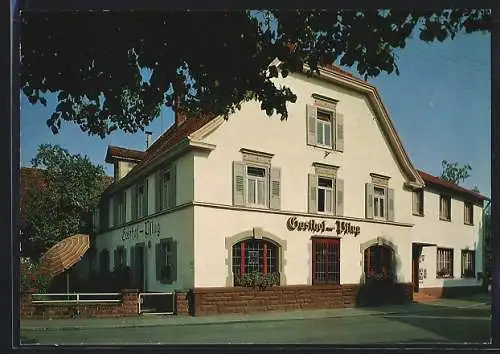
{"points": [[440, 105]]}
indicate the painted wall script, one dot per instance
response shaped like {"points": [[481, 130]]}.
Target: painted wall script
{"points": [[148, 229], [341, 227]]}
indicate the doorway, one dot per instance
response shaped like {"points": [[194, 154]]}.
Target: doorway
{"points": [[416, 253], [139, 266]]}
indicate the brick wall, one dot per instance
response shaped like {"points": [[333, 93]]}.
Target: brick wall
{"points": [[451, 291], [212, 301], [127, 307]]}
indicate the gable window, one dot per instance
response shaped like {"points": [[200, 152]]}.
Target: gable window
{"points": [[379, 201], [468, 264], [445, 207], [256, 185], [468, 213], [326, 191], [140, 200], [325, 260], [166, 261], [418, 202], [120, 257], [325, 127], [254, 256], [444, 267], [165, 195]]}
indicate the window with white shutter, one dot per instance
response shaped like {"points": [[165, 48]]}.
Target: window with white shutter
{"points": [[325, 127]]}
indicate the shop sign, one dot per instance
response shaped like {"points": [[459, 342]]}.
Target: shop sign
{"points": [[339, 227], [147, 229]]}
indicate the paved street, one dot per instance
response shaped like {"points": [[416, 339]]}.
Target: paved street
{"points": [[432, 323]]}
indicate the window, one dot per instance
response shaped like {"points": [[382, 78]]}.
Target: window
{"points": [[445, 208], [468, 213], [378, 263], [468, 264], [120, 257], [256, 186], [165, 186], [140, 200], [324, 129], [254, 255], [119, 209], [418, 202], [252, 182], [104, 261], [444, 268], [379, 202], [326, 261], [166, 261], [325, 195]]}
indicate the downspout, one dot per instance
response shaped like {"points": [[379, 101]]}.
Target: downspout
{"points": [[486, 277]]}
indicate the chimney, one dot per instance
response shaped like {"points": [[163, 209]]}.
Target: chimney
{"points": [[180, 116], [148, 139]]}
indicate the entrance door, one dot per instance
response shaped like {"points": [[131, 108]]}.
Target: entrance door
{"points": [[417, 251]]}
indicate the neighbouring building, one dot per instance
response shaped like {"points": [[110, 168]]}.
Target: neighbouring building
{"points": [[327, 199]]}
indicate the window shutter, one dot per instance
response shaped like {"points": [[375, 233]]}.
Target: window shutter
{"points": [[390, 204], [172, 187], [239, 185], [173, 261], [313, 187], [414, 204], [312, 113], [158, 261], [114, 202], [124, 256], [275, 198], [369, 200], [158, 191], [339, 190], [339, 131], [124, 211]]}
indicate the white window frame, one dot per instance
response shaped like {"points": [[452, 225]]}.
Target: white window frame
{"points": [[332, 199], [256, 179], [470, 220], [444, 202], [325, 126], [164, 192], [383, 197]]}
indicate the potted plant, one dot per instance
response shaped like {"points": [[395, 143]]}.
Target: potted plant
{"points": [[443, 273]]}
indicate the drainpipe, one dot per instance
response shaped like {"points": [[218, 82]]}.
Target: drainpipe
{"points": [[486, 278]]}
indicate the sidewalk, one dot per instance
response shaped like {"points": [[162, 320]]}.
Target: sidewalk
{"points": [[164, 320]]}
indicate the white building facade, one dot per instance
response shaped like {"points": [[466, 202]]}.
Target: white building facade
{"points": [[328, 196]]}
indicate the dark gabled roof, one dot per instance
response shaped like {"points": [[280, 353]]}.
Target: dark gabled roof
{"points": [[436, 181], [123, 153]]}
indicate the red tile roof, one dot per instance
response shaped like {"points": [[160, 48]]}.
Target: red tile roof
{"points": [[168, 140], [436, 181], [116, 151]]}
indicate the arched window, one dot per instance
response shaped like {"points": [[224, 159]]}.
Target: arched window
{"points": [[254, 255], [379, 263]]}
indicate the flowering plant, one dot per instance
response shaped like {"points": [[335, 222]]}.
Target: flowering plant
{"points": [[34, 279], [258, 280], [443, 273], [379, 276]]}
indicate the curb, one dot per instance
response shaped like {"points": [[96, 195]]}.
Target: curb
{"points": [[226, 321]]}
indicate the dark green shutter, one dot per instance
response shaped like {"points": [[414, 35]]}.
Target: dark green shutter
{"points": [[115, 258], [173, 260], [158, 192], [172, 187], [313, 187], [311, 116], [369, 200], [158, 261], [239, 185]]}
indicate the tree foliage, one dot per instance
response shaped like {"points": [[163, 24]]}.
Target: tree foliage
{"points": [[211, 61], [454, 173], [53, 209]]}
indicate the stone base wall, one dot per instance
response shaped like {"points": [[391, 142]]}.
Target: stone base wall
{"points": [[212, 301], [451, 291], [127, 307]]}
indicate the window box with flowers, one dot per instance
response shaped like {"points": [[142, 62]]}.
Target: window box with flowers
{"points": [[382, 277], [257, 280], [444, 273]]}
